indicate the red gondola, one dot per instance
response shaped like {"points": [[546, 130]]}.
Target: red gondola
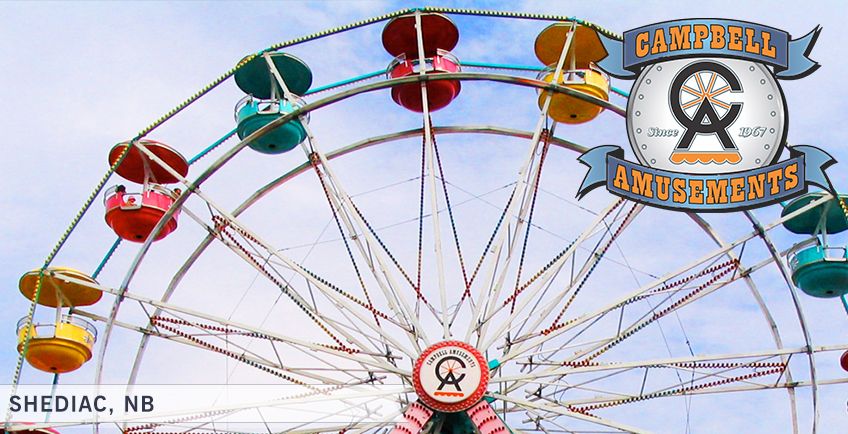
{"points": [[439, 35], [133, 216]]}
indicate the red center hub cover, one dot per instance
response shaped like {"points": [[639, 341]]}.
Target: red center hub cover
{"points": [[450, 376]]}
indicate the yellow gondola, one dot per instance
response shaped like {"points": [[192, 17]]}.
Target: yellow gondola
{"points": [[58, 347], [579, 71]]}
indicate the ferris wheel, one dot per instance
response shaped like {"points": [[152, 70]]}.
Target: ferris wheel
{"points": [[432, 275]]}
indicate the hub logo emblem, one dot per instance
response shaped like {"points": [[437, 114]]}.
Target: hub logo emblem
{"points": [[706, 117], [450, 376], [446, 372], [707, 99]]}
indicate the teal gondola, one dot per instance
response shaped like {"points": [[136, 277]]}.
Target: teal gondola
{"points": [[267, 101], [253, 114], [820, 270]]}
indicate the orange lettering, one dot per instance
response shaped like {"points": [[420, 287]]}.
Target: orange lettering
{"points": [[752, 46], [734, 38], [662, 187], [696, 191], [620, 180], [717, 41], [791, 179], [642, 44], [679, 36], [717, 191], [768, 49], [774, 178], [756, 186], [679, 185], [701, 32], [659, 43], [642, 183], [737, 189]]}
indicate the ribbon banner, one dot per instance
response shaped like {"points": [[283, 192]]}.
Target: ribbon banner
{"points": [[721, 192], [709, 38]]}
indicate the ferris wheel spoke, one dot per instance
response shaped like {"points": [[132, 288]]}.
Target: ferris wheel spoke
{"points": [[166, 296], [547, 281], [449, 210], [489, 289], [685, 388], [752, 364], [340, 214], [550, 270], [339, 200], [360, 420], [539, 418], [594, 259], [247, 357], [535, 341], [327, 364], [562, 386], [250, 358], [284, 283], [529, 225], [353, 262], [521, 197], [365, 427], [564, 411], [429, 156], [230, 341], [375, 359], [434, 206], [546, 276], [382, 347], [325, 287], [338, 297], [351, 325], [752, 369], [711, 285], [255, 239], [371, 249], [524, 345]]}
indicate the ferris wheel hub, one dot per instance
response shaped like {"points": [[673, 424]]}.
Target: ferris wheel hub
{"points": [[450, 376]]}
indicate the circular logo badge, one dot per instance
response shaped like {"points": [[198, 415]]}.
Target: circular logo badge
{"points": [[706, 115], [450, 376]]}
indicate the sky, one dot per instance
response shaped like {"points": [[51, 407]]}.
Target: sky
{"points": [[78, 77]]}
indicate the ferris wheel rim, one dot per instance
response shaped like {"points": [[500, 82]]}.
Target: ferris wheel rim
{"points": [[345, 150]]}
